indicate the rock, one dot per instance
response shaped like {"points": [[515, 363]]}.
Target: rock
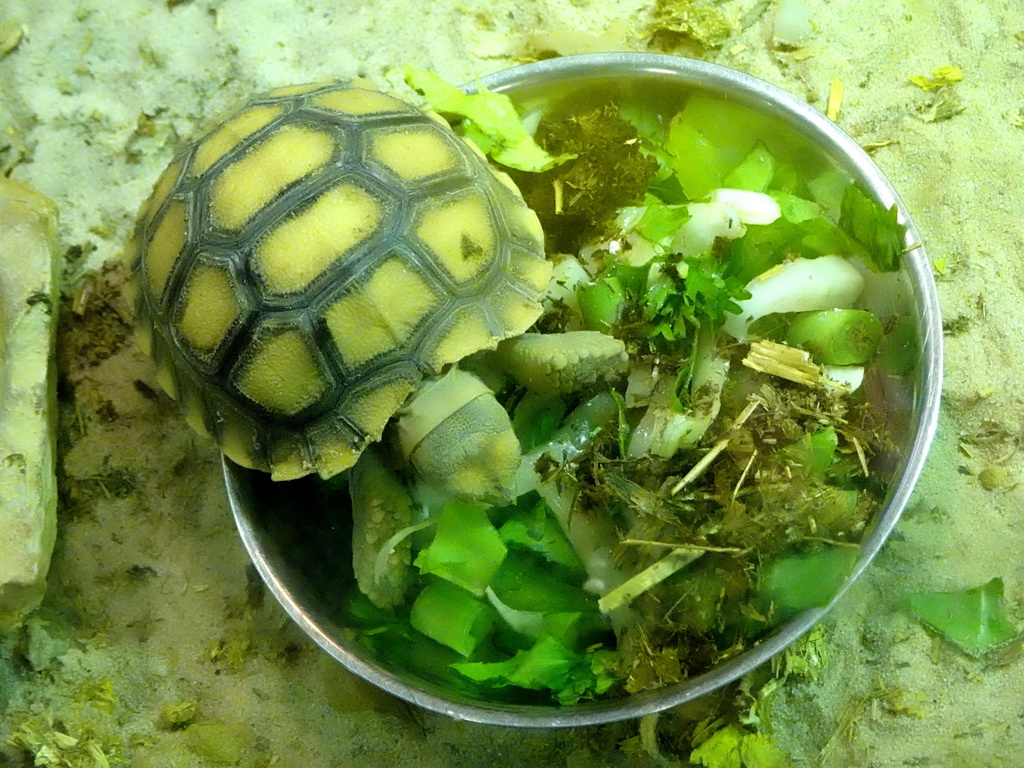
{"points": [[28, 310]]}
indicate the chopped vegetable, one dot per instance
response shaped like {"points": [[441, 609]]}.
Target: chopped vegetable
{"points": [[466, 549], [836, 336], [756, 171], [713, 294], [899, 351], [696, 161], [814, 452], [548, 665], [658, 221], [536, 530], [878, 230], [828, 282], [796, 583], [670, 424], [601, 303], [491, 121], [536, 417], [974, 620], [593, 538], [450, 615], [752, 206], [734, 747]]}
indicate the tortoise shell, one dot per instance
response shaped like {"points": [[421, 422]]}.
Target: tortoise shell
{"points": [[306, 263]]}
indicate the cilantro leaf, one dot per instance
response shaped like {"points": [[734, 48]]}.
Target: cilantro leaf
{"points": [[710, 291], [490, 121]]}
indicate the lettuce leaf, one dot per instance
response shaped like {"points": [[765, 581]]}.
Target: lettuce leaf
{"points": [[536, 530], [466, 549], [755, 173], [874, 227], [490, 121], [975, 619], [795, 583], [548, 665]]}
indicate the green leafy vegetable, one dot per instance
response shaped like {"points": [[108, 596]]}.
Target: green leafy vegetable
{"points": [[735, 128], [661, 221], [815, 452], [733, 747], [538, 531], [710, 291], [466, 549], [721, 749], [803, 229], [899, 350], [450, 615], [536, 418], [827, 189], [695, 159], [836, 336], [524, 582], [755, 173], [601, 303], [795, 583], [396, 643], [875, 228], [666, 307], [490, 121], [975, 619], [548, 665], [796, 210]]}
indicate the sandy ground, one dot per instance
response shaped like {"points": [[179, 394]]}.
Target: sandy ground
{"points": [[151, 602]]}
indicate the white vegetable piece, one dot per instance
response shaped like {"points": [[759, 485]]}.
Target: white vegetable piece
{"points": [[726, 215], [566, 275], [708, 221], [752, 207], [851, 376], [592, 536], [529, 623], [800, 285], [792, 23], [663, 431], [635, 251]]}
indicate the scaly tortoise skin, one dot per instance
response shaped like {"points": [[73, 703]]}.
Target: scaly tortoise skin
{"points": [[304, 265]]}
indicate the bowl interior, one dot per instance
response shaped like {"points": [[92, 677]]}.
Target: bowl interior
{"points": [[300, 546]]}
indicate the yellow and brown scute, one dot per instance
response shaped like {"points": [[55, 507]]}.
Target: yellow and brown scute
{"points": [[301, 267]]}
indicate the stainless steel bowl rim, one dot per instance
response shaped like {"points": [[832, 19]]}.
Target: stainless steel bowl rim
{"points": [[835, 143]]}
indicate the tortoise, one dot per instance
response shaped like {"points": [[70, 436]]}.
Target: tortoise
{"points": [[315, 262]]}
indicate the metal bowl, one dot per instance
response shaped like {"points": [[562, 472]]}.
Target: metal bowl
{"points": [[298, 547]]}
